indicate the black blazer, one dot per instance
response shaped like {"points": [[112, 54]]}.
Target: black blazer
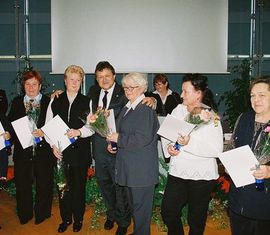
{"points": [[43, 151], [117, 102], [78, 153], [3, 101]]}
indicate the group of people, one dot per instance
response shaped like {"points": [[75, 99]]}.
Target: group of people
{"points": [[127, 176]]}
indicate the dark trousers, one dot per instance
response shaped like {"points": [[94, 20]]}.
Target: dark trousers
{"points": [[114, 196], [26, 173], [242, 225], [180, 192], [141, 204], [72, 204], [3, 163]]}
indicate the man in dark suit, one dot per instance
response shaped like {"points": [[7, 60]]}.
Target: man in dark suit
{"points": [[110, 95], [113, 195], [3, 101]]}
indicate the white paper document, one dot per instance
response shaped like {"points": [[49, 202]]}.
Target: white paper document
{"points": [[238, 163], [23, 131], [2, 139], [172, 127], [111, 121], [56, 130]]}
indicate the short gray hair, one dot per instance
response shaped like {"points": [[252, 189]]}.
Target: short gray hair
{"points": [[138, 79]]}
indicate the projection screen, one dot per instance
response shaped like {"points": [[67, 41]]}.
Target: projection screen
{"points": [[168, 36]]}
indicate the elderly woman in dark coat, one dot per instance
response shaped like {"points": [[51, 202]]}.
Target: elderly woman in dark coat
{"points": [[137, 156]]}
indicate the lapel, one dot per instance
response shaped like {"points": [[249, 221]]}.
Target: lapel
{"points": [[95, 98], [115, 96]]}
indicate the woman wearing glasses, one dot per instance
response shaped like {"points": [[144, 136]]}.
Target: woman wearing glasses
{"points": [[137, 157]]}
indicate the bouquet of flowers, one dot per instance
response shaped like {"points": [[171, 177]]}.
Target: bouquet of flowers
{"points": [[262, 147], [32, 112], [98, 123], [200, 116], [262, 153]]}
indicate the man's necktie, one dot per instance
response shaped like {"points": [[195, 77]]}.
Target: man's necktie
{"points": [[104, 100]]}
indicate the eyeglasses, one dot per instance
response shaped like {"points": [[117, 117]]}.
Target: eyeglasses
{"points": [[130, 88]]}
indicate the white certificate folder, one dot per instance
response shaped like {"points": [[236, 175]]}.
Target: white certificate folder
{"points": [[172, 127], [238, 162], [56, 130], [23, 131]]}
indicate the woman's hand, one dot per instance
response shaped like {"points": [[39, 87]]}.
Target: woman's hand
{"points": [[172, 151], [183, 140], [109, 148], [38, 133], [6, 135], [57, 152], [262, 173], [113, 137], [71, 133]]}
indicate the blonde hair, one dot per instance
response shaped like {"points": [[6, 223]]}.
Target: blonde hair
{"points": [[138, 79], [74, 69]]}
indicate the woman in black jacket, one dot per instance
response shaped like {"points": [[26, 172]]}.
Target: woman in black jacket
{"points": [[71, 105], [35, 163]]}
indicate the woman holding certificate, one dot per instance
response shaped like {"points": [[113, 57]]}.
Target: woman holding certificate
{"points": [[33, 164], [71, 106], [136, 167], [193, 168], [250, 205]]}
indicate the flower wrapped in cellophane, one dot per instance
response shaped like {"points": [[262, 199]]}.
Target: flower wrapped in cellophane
{"points": [[262, 147], [200, 116], [32, 112], [98, 122], [61, 177]]}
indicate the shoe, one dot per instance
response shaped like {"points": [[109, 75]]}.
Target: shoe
{"points": [[108, 224], [63, 227], [121, 230], [25, 221], [77, 226], [40, 220]]}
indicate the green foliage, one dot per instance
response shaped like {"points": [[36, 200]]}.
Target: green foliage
{"points": [[93, 197], [237, 100]]}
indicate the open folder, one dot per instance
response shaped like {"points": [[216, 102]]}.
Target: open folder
{"points": [[238, 162], [172, 127], [56, 130]]}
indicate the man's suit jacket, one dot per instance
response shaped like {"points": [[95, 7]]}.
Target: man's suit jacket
{"points": [[3, 101], [118, 101]]}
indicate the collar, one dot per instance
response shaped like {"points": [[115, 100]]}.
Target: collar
{"points": [[169, 92], [133, 105], [36, 99]]}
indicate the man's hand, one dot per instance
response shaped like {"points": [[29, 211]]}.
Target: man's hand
{"points": [[150, 101]]}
